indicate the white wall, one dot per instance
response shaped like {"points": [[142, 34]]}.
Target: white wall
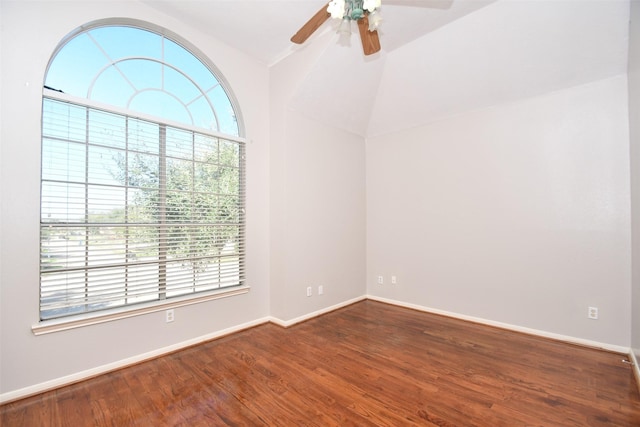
{"points": [[634, 130], [318, 201], [30, 32], [516, 214]]}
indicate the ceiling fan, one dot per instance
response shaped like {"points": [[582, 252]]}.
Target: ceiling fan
{"points": [[364, 12]]}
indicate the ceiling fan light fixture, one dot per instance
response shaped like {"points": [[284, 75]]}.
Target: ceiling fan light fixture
{"points": [[357, 13], [375, 19], [347, 11], [371, 5], [355, 10], [344, 29], [337, 9], [344, 33]]}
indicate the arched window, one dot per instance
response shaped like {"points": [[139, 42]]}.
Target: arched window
{"points": [[142, 190]]}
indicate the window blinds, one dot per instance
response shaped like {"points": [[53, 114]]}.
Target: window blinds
{"points": [[135, 211]]}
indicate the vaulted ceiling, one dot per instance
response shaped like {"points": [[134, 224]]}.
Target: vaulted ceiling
{"points": [[438, 58], [262, 28]]}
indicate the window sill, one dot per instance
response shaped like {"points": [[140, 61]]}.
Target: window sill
{"points": [[57, 325]]}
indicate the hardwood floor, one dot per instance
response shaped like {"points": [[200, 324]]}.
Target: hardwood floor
{"points": [[369, 364]]}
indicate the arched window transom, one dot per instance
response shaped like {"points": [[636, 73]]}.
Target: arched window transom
{"points": [[143, 71]]}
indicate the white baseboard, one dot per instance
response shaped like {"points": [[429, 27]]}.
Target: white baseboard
{"points": [[94, 372], [80, 376], [530, 331], [288, 323]]}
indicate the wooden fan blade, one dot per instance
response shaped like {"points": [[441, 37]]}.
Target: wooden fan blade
{"points": [[370, 39], [312, 24]]}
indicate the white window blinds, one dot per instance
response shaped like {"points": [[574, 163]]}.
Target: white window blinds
{"points": [[135, 211]]}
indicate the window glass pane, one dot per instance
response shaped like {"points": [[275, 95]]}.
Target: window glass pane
{"points": [[143, 136], [62, 247], [202, 114], [143, 244], [107, 129], [63, 161], [124, 42], [142, 73], [143, 171], [224, 111], [74, 67], [206, 177], [228, 181], [161, 105], [146, 279], [180, 279], [106, 204], [205, 148], [106, 165], [189, 65], [111, 87], [63, 120], [56, 291], [106, 247], [179, 175], [179, 143], [180, 85], [228, 209], [142, 208], [229, 154], [179, 206], [62, 202], [206, 208], [106, 287]]}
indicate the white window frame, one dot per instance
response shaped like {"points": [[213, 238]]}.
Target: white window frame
{"points": [[125, 311]]}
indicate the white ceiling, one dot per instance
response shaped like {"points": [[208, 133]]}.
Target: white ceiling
{"points": [[439, 57], [263, 28]]}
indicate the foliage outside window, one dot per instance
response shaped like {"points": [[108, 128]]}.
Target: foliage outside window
{"points": [[142, 191]]}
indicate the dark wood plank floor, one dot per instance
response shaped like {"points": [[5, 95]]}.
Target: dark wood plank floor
{"points": [[369, 364]]}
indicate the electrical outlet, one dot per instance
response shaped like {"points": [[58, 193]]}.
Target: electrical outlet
{"points": [[309, 291], [380, 280], [320, 290], [394, 280], [169, 315], [593, 313]]}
